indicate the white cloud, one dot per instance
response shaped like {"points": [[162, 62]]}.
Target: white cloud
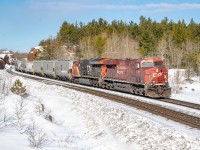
{"points": [[164, 7], [70, 6]]}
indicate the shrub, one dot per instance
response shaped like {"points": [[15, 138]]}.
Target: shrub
{"points": [[176, 82], [5, 85], [20, 112], [18, 88], [36, 136]]}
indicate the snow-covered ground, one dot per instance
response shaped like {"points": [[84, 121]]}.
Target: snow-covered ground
{"points": [[86, 122], [189, 91]]}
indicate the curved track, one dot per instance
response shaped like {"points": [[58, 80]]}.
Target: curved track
{"points": [[186, 119]]}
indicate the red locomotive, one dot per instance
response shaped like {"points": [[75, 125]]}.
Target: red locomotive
{"points": [[147, 77]]}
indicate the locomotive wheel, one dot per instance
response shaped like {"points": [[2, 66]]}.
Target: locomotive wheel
{"points": [[131, 89], [112, 87], [103, 86]]}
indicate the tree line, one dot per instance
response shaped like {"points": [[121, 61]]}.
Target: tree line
{"points": [[177, 43]]}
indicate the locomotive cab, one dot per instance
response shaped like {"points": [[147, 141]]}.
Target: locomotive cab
{"points": [[155, 78]]}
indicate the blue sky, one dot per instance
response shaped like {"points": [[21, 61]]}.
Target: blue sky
{"points": [[24, 23]]}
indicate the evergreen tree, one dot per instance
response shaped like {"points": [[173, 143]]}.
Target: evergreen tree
{"points": [[18, 88], [165, 38], [179, 32], [98, 43]]}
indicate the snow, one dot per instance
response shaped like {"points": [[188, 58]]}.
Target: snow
{"points": [[10, 137], [83, 121], [190, 91], [3, 55], [6, 52], [39, 48]]}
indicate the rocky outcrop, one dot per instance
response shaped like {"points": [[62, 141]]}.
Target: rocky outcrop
{"points": [[35, 53]]}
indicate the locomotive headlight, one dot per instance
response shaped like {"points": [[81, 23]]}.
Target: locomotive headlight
{"points": [[165, 76], [147, 72], [156, 70]]}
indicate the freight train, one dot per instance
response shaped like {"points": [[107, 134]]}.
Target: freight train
{"points": [[147, 77]]}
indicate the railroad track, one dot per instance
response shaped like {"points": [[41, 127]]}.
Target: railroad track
{"points": [[182, 118], [181, 103]]}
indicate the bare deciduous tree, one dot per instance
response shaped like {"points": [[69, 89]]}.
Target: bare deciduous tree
{"points": [[168, 51], [5, 118], [121, 47], [20, 111], [115, 47], [176, 82], [85, 46], [5, 85], [36, 136], [162, 47]]}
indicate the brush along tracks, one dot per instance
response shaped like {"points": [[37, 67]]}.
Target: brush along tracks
{"points": [[182, 118]]}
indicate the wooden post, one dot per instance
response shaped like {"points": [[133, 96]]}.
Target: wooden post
{"points": [[42, 108]]}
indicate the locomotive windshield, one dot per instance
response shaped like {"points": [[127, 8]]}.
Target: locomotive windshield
{"points": [[158, 63], [151, 64], [147, 64]]}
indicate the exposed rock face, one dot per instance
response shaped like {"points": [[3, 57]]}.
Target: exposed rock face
{"points": [[34, 53]]}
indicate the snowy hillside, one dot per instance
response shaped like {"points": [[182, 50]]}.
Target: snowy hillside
{"points": [[77, 121], [187, 90]]}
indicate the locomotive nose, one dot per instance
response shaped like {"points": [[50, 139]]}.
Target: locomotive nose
{"points": [[160, 90], [160, 75]]}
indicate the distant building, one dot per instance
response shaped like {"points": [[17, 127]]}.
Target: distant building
{"points": [[4, 53]]}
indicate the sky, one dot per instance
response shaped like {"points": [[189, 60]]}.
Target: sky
{"points": [[24, 23]]}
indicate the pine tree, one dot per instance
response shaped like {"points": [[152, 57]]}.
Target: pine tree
{"points": [[18, 88], [90, 41], [99, 44]]}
